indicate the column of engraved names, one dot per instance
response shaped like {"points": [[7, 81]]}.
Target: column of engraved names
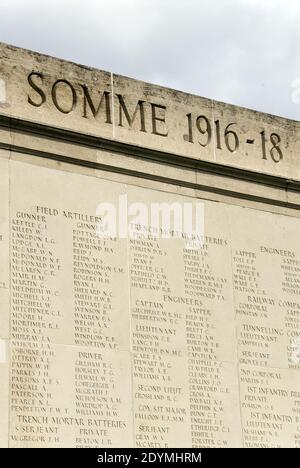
{"points": [[266, 269], [267, 316], [66, 334], [264, 295], [270, 401], [100, 290], [290, 303], [207, 281], [34, 319], [287, 261], [158, 340], [260, 325]]}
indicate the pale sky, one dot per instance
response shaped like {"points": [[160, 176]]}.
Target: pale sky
{"points": [[244, 52]]}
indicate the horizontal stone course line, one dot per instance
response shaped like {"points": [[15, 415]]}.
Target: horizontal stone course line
{"points": [[24, 126], [144, 175]]}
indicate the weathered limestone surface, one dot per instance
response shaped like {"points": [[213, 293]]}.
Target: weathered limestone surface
{"points": [[144, 341], [75, 97]]}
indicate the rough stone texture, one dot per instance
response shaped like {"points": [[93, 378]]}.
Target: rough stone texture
{"points": [[144, 342]]}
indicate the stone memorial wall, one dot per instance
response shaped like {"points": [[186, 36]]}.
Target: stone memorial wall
{"points": [[141, 340]]}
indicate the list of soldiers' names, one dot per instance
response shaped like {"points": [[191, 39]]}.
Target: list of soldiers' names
{"points": [[145, 341]]}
